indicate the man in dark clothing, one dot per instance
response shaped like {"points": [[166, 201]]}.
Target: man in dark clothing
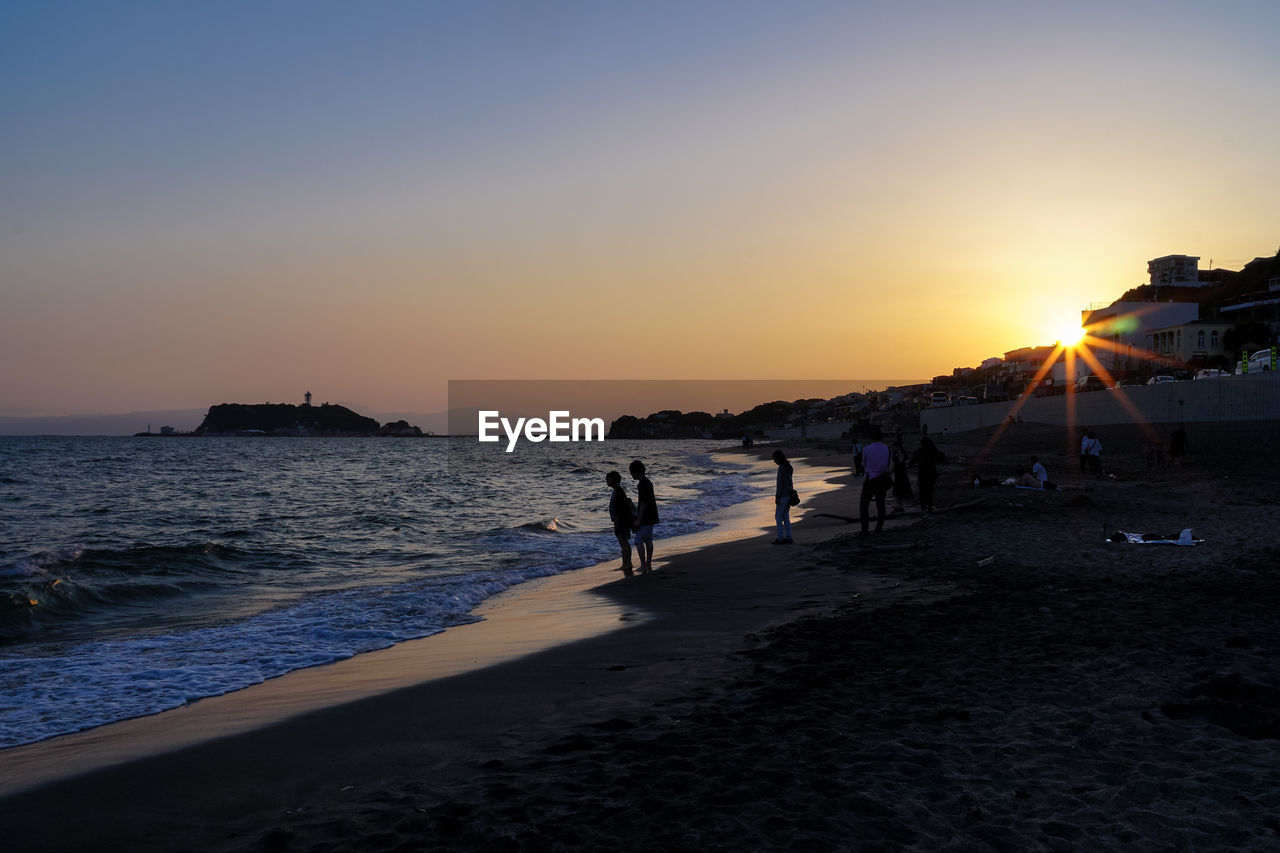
{"points": [[877, 461], [926, 460]]}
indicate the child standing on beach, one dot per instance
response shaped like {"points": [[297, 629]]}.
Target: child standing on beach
{"points": [[622, 513], [646, 515]]}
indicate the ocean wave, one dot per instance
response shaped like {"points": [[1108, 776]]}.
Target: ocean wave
{"points": [[60, 588], [42, 563], [552, 525]]}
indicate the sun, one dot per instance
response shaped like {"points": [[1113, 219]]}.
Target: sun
{"points": [[1069, 334]]}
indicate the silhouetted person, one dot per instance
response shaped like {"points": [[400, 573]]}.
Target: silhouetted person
{"points": [[877, 461], [901, 482], [646, 515], [1038, 471], [623, 515], [1091, 452], [782, 498], [926, 460]]}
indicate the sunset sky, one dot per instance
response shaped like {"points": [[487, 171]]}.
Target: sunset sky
{"points": [[206, 202]]}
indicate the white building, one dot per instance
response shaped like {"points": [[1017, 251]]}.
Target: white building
{"points": [[1180, 270], [1189, 343]]}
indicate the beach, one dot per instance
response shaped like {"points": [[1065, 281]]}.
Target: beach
{"points": [[998, 676]]}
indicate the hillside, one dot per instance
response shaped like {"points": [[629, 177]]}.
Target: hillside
{"points": [[1228, 285]]}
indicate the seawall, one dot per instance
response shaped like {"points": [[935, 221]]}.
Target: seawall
{"points": [[1253, 397]]}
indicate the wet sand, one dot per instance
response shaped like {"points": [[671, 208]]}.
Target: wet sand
{"points": [[995, 677]]}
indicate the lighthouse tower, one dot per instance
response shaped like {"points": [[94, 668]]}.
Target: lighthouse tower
{"points": [[308, 400]]}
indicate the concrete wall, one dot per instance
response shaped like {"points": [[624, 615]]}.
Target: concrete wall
{"points": [[833, 430], [1255, 397]]}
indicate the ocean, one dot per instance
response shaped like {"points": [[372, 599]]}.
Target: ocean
{"points": [[140, 574]]}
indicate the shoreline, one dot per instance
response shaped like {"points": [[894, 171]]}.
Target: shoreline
{"points": [[528, 618]]}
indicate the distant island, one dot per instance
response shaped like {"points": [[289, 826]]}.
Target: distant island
{"points": [[287, 419]]}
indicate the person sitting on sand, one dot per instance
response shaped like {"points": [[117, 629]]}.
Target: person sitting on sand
{"points": [[877, 461], [1038, 471], [646, 515], [622, 513], [782, 498], [1026, 479]]}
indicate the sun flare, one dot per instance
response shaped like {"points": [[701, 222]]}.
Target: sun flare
{"points": [[1069, 335]]}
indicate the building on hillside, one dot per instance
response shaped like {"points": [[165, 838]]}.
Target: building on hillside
{"points": [[1260, 306], [1179, 270], [1026, 360], [1188, 343], [1125, 326]]}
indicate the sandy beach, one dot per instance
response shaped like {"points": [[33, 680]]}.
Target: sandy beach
{"points": [[997, 676]]}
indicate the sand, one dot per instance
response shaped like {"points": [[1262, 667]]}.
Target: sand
{"points": [[995, 677]]}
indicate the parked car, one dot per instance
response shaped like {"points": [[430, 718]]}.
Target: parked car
{"points": [[1160, 379], [1211, 373], [1090, 383], [1258, 362]]}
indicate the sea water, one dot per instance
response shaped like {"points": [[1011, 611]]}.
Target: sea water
{"points": [[140, 574]]}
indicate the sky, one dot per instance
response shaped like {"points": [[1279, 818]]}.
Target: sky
{"points": [[206, 202]]}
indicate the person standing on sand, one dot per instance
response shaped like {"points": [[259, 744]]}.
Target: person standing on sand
{"points": [[878, 463], [646, 515], [857, 458], [926, 459], [901, 482], [782, 498], [622, 513], [1091, 454]]}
